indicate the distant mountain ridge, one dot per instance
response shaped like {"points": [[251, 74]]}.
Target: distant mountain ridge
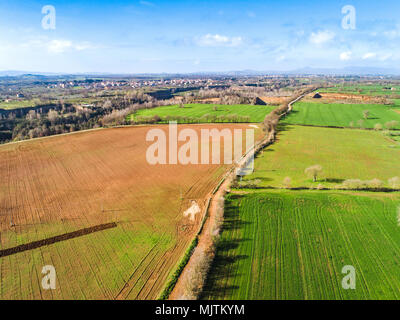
{"points": [[351, 70]]}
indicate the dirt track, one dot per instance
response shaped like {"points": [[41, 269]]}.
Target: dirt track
{"points": [[205, 238]]}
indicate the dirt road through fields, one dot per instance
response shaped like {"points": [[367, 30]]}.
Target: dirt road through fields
{"points": [[206, 237]]}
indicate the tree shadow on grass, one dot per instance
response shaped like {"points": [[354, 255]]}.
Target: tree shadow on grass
{"points": [[282, 126], [233, 223], [334, 180], [222, 270], [224, 267]]}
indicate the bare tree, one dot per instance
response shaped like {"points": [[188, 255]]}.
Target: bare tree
{"points": [[394, 182], [287, 182], [391, 124], [314, 171], [375, 183], [52, 115]]}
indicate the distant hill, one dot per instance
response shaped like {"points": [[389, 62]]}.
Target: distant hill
{"points": [[351, 70], [348, 71]]}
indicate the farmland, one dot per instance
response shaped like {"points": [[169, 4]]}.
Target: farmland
{"points": [[58, 185], [17, 104], [365, 89], [343, 154], [206, 113], [293, 245], [286, 236], [342, 115]]}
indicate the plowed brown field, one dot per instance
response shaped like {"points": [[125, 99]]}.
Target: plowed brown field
{"points": [[343, 98], [57, 185]]}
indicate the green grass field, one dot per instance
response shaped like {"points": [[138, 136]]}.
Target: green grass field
{"points": [[343, 154], [15, 104], [371, 90], [293, 245], [341, 115], [206, 113]]}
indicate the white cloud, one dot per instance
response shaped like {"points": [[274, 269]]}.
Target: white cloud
{"points": [[59, 46], [147, 3], [321, 37], [394, 33], [217, 40], [345, 56], [385, 57], [281, 58], [369, 55]]}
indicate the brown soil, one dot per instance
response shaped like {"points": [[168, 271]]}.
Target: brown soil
{"points": [[61, 184], [344, 98], [275, 100]]}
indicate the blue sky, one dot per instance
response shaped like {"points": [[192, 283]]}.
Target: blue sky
{"points": [[190, 36]]}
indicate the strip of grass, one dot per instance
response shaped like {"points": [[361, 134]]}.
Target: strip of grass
{"points": [[175, 276], [293, 245], [342, 115], [342, 153], [206, 113], [15, 104]]}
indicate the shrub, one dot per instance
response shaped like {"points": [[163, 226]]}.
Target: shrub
{"points": [[314, 171], [391, 124], [287, 182], [398, 215], [394, 183], [375, 183], [353, 184]]}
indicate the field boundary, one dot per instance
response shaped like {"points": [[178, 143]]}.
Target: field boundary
{"points": [[52, 240], [185, 259], [204, 240]]}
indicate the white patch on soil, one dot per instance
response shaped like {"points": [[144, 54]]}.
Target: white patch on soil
{"points": [[192, 211]]}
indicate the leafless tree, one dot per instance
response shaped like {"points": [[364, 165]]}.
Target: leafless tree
{"points": [[394, 182], [314, 171], [287, 182]]}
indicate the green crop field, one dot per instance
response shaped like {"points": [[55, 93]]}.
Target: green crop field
{"points": [[371, 90], [342, 115], [206, 113], [343, 154], [293, 245], [15, 104]]}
